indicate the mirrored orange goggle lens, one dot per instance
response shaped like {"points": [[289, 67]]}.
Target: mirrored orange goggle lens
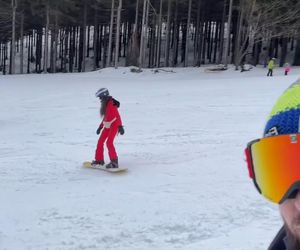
{"points": [[276, 164]]}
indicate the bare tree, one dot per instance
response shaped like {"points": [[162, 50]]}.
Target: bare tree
{"points": [[144, 27], [168, 33], [118, 34], [187, 34], [263, 21], [110, 41], [13, 40], [133, 48], [168, 25], [22, 43], [46, 36], [228, 34], [159, 23], [84, 25]]}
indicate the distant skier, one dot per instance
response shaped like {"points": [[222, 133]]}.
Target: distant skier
{"points": [[287, 68], [271, 67], [110, 126]]}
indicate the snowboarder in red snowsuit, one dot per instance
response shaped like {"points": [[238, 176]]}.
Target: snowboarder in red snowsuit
{"points": [[110, 126]]}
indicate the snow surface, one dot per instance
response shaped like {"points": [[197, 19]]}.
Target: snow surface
{"points": [[187, 186]]}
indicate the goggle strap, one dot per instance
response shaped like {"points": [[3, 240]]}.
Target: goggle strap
{"points": [[249, 163]]}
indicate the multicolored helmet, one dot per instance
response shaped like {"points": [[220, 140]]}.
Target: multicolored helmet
{"points": [[102, 93]]}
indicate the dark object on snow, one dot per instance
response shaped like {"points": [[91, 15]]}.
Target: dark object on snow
{"points": [[135, 70], [246, 67], [163, 70], [217, 68]]}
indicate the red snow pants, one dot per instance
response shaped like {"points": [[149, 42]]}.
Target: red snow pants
{"points": [[108, 135]]}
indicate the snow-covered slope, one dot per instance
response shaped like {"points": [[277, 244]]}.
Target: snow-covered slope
{"points": [[187, 186]]}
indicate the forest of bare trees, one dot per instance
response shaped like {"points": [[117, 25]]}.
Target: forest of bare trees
{"points": [[81, 35]]}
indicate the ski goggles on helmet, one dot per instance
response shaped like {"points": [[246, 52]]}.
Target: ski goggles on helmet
{"points": [[274, 165]]}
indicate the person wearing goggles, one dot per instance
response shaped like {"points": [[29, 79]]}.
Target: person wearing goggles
{"points": [[274, 165]]}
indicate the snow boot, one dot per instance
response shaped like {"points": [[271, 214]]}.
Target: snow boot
{"points": [[98, 163], [113, 164]]}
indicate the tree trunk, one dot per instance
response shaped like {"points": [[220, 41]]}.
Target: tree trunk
{"points": [[208, 55], [84, 45], [125, 39], [96, 40], [228, 34], [111, 32], [71, 50], [216, 39], [183, 41], [284, 48], [238, 49], [186, 61], [222, 33], [276, 45], [297, 54], [4, 59], [54, 38], [167, 46], [22, 44], [46, 37], [204, 43], [118, 34], [76, 47], [100, 44], [13, 40], [133, 47], [38, 51], [147, 31], [176, 36], [105, 46], [88, 41], [66, 38], [159, 34], [141, 59], [197, 35], [28, 54]]}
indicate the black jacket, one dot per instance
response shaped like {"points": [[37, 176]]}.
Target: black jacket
{"points": [[279, 242]]}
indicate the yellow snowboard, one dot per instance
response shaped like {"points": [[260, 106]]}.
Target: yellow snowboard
{"points": [[88, 164]]}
